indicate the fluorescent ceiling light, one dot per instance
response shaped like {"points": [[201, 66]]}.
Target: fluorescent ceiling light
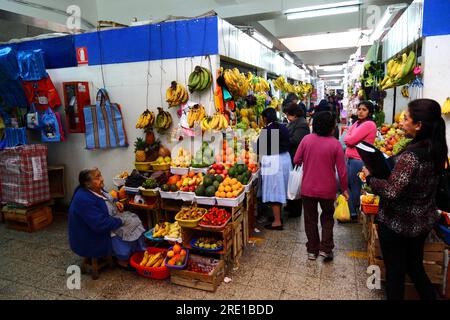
{"points": [[288, 57], [383, 23], [321, 13], [259, 37], [332, 75], [337, 67], [325, 41], [324, 6]]}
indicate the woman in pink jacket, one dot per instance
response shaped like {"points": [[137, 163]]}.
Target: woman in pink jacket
{"points": [[320, 153], [364, 129]]}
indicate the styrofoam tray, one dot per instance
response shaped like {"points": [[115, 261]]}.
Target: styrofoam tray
{"points": [[186, 196], [202, 170], [209, 201], [170, 195], [179, 171], [231, 202]]}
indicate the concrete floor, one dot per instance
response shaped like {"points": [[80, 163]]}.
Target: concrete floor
{"points": [[33, 266]]}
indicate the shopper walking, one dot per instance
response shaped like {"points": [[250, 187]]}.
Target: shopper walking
{"points": [[408, 209], [273, 152], [298, 128], [320, 154], [362, 130]]}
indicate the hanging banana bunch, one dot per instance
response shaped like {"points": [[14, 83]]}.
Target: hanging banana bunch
{"points": [[176, 94], [238, 83], [446, 107], [399, 70], [163, 121], [196, 113], [146, 119], [200, 79], [405, 91], [216, 122], [260, 84]]}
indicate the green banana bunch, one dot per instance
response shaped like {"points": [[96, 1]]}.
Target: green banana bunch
{"points": [[200, 79], [399, 71], [163, 120]]}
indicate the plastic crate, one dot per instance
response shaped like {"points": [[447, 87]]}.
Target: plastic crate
{"points": [[209, 201], [179, 171], [231, 202], [169, 195], [369, 209], [187, 196], [158, 273]]}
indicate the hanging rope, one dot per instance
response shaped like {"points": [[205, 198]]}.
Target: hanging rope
{"points": [[148, 64], [101, 56]]}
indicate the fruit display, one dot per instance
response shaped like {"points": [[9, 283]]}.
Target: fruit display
{"points": [[189, 182], [215, 217], [259, 84], [209, 186], [176, 94], [399, 71], [370, 199], [204, 157], [155, 260], [238, 83], [216, 122], [176, 256], [134, 180], [200, 79], [301, 89], [161, 229], [391, 135], [446, 106], [247, 119], [140, 149], [163, 120], [183, 159], [229, 188], [163, 160], [150, 184], [208, 243], [241, 173], [196, 114], [145, 120], [174, 231], [192, 213]]}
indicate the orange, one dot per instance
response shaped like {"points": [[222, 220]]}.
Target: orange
{"points": [[229, 195], [235, 187], [176, 248], [234, 181], [171, 262], [221, 188], [228, 189], [170, 254], [235, 194], [225, 182], [183, 253], [217, 194], [223, 195]]}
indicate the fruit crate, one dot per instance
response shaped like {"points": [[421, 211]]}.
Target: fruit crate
{"points": [[209, 201], [226, 235], [170, 195], [207, 282], [28, 219], [187, 196], [238, 237], [231, 202]]}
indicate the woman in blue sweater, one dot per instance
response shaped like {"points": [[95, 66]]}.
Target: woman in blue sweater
{"points": [[98, 227]]}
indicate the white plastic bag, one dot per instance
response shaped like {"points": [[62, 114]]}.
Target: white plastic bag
{"points": [[295, 183]]}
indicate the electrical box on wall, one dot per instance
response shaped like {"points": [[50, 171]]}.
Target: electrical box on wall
{"points": [[76, 97]]}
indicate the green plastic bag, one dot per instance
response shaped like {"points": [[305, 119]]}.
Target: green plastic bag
{"points": [[342, 212]]}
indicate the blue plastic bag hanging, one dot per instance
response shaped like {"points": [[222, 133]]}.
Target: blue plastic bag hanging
{"points": [[50, 127], [31, 65], [9, 69]]}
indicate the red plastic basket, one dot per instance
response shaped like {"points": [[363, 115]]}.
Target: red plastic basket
{"points": [[159, 273], [369, 209]]}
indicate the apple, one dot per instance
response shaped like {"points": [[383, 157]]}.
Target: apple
{"points": [[191, 189], [218, 171], [225, 172], [221, 167]]}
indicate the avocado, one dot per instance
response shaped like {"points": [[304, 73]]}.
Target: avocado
{"points": [[208, 181], [219, 178], [173, 188], [216, 184], [165, 187], [200, 192], [240, 169], [232, 172]]}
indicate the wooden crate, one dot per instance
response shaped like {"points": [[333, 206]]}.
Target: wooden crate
{"points": [[238, 238], [29, 219], [187, 234], [56, 180], [207, 282]]}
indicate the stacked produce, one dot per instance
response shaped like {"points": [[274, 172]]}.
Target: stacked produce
{"points": [[174, 231], [215, 217], [229, 188], [150, 184], [185, 183], [163, 120], [203, 157], [209, 186], [241, 173], [247, 119], [145, 120], [176, 256], [393, 139], [208, 243], [196, 113], [259, 84], [183, 159], [370, 199], [134, 180], [446, 106], [163, 160], [399, 71], [301, 89], [161, 229], [200, 79], [153, 260], [238, 83], [176, 94]]}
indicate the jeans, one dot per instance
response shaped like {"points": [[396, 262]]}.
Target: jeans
{"points": [[403, 255], [354, 185], [311, 214]]}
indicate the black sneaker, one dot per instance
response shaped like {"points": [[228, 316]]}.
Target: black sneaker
{"points": [[326, 256]]}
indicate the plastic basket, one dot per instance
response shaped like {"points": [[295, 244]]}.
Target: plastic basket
{"points": [[187, 196], [169, 195], [192, 243], [188, 223], [150, 192], [215, 228], [143, 166], [178, 267], [231, 202], [159, 273], [209, 201], [149, 236], [179, 171], [369, 209], [202, 170]]}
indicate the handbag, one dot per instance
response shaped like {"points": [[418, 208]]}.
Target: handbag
{"points": [[443, 191], [42, 93], [50, 127], [32, 118], [104, 124], [295, 183]]}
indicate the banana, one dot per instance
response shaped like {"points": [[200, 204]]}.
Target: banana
{"points": [[153, 259], [446, 107], [214, 122], [145, 259]]}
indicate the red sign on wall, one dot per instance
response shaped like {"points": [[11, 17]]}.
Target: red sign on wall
{"points": [[82, 55]]}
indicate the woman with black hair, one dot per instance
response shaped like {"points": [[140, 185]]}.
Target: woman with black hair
{"points": [[321, 154], [408, 209], [298, 128], [273, 152], [363, 130]]}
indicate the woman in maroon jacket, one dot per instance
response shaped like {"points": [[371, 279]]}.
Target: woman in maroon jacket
{"points": [[408, 209]]}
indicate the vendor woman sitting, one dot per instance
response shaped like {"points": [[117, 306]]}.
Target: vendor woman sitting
{"points": [[98, 226]]}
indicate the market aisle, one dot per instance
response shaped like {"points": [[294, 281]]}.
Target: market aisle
{"points": [[33, 266]]}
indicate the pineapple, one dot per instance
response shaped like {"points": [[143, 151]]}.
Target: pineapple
{"points": [[139, 150]]}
